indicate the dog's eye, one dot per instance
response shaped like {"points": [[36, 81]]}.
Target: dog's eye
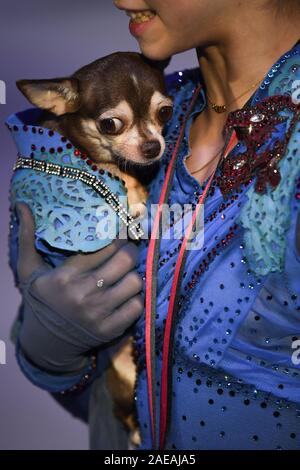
{"points": [[111, 126], [165, 113]]}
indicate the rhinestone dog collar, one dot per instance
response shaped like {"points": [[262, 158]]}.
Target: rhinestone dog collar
{"points": [[90, 180]]}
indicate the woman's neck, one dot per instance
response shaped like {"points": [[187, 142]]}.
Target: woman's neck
{"points": [[244, 54]]}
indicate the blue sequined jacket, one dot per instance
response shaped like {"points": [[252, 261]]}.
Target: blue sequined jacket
{"points": [[238, 330], [240, 319]]}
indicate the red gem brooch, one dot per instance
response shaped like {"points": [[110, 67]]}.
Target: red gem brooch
{"points": [[257, 128]]}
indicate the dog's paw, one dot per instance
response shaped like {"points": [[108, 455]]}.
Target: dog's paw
{"points": [[138, 210]]}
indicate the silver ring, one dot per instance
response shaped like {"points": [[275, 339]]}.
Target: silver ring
{"points": [[100, 283]]}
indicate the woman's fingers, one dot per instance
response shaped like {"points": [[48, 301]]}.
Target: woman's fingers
{"points": [[115, 324], [113, 270], [29, 259], [82, 263], [113, 297], [122, 291]]}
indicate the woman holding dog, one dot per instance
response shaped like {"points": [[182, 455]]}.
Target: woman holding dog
{"points": [[216, 328]]}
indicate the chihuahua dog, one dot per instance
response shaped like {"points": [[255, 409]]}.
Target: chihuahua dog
{"points": [[114, 111]]}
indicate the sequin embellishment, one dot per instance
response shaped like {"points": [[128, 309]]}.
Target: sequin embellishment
{"points": [[254, 128]]}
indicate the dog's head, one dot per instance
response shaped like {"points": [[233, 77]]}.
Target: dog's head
{"points": [[113, 109]]}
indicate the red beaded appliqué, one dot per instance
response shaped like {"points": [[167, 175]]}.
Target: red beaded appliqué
{"points": [[255, 128]]}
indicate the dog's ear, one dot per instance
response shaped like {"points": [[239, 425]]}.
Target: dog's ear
{"points": [[59, 96]]}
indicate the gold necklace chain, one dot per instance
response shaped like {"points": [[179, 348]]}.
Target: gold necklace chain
{"points": [[223, 107]]}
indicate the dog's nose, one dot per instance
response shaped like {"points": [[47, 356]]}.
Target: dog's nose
{"points": [[151, 149]]}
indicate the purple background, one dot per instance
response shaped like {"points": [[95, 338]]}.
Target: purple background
{"points": [[41, 40]]}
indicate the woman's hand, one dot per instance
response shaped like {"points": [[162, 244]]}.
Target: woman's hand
{"points": [[66, 313]]}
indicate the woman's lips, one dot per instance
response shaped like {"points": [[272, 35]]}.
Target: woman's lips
{"points": [[140, 21]]}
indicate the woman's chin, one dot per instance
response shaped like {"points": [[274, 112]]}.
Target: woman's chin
{"points": [[155, 51]]}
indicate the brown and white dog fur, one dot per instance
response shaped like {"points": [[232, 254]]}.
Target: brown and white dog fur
{"points": [[113, 110]]}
